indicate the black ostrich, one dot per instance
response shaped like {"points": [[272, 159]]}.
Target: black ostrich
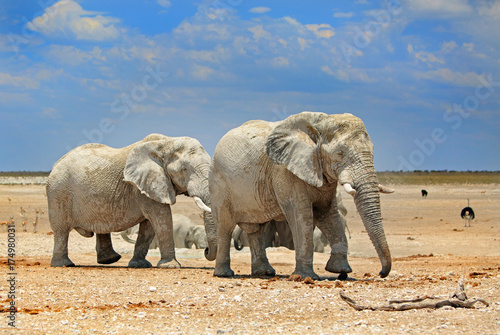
{"points": [[424, 194], [467, 214]]}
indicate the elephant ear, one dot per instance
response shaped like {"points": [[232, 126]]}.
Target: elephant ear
{"points": [[144, 169], [294, 144]]}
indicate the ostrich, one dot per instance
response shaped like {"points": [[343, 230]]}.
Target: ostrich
{"points": [[467, 214], [424, 194]]}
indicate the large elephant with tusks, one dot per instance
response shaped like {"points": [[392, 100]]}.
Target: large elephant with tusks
{"points": [[289, 170]]}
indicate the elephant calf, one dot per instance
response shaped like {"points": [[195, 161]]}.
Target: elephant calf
{"points": [[186, 234], [98, 189]]}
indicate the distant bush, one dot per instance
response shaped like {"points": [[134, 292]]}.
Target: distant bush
{"points": [[24, 173]]}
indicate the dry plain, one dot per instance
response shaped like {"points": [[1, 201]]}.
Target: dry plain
{"points": [[432, 252]]}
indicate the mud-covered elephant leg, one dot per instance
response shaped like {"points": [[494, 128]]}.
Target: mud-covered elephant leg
{"points": [[60, 254], [160, 216], [298, 212], [144, 237], [256, 238], [327, 219], [105, 252], [225, 229]]}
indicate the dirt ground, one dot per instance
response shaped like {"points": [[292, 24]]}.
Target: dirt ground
{"points": [[432, 252]]}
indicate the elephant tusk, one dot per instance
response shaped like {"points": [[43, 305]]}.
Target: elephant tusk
{"points": [[384, 189], [201, 205], [348, 188]]}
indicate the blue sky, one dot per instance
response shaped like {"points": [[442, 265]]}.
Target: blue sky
{"points": [[423, 75]]}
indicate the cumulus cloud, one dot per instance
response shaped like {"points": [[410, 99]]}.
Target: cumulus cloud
{"points": [[67, 18], [260, 10], [323, 30]]}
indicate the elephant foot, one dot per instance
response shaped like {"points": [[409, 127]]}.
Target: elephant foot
{"points": [[61, 262], [172, 264], [306, 273], [108, 258], [338, 264], [139, 263], [263, 270], [342, 276], [223, 272]]}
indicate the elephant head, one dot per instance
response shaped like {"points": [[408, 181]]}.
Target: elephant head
{"points": [[324, 149], [198, 237], [162, 167]]}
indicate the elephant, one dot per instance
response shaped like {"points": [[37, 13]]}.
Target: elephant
{"points": [[289, 170], [275, 234], [186, 234], [98, 189]]}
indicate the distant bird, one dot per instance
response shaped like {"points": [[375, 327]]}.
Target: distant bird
{"points": [[424, 194], [467, 214]]}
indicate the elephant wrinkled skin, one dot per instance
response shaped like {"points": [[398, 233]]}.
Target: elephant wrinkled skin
{"points": [[98, 189], [289, 170]]}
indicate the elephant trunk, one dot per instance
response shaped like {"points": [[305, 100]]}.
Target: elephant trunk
{"points": [[211, 231], [367, 200], [198, 188]]}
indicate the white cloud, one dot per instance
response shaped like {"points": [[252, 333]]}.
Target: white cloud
{"points": [[164, 3], [448, 47], [303, 43], [468, 46], [428, 57], [51, 113], [6, 79], [343, 15], [491, 9], [446, 75], [443, 8], [281, 62], [259, 32], [260, 10], [201, 72], [73, 56], [67, 18], [349, 75], [323, 30]]}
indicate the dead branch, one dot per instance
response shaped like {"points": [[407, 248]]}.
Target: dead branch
{"points": [[457, 300]]}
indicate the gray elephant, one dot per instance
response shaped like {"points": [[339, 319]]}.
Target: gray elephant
{"points": [[95, 188], [275, 234], [289, 170], [278, 233], [186, 234]]}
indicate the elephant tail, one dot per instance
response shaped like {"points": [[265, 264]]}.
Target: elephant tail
{"points": [[238, 244], [125, 235]]}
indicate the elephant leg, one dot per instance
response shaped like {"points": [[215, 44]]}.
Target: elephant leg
{"points": [[105, 252], [260, 263], [225, 226], [330, 224], [144, 237], [160, 216], [298, 212], [60, 253]]}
